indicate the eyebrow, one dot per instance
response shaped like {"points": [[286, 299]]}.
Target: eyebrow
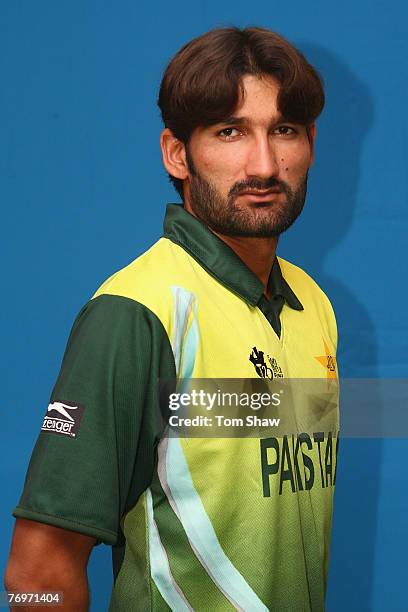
{"points": [[233, 120]]}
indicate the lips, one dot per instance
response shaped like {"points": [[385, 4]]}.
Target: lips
{"points": [[262, 193], [261, 196]]}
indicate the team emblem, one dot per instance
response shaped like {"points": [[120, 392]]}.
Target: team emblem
{"points": [[269, 369], [328, 361]]}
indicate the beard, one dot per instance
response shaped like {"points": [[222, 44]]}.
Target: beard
{"points": [[226, 217]]}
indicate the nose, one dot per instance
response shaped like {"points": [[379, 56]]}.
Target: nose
{"points": [[262, 159]]}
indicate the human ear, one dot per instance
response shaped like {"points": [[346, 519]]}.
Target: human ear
{"points": [[311, 134], [173, 155]]}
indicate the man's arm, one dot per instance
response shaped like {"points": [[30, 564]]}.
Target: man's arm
{"points": [[46, 558], [86, 482]]}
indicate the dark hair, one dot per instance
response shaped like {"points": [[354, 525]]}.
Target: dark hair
{"points": [[202, 84]]}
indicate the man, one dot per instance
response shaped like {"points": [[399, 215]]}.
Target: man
{"points": [[196, 523]]}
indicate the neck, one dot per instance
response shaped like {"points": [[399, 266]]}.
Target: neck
{"points": [[258, 254]]}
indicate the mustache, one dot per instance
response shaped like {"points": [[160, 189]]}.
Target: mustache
{"points": [[259, 185]]}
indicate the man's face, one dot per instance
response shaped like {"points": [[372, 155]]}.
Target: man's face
{"points": [[248, 174]]}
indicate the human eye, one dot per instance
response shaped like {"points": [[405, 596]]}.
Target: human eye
{"points": [[285, 130], [229, 133]]}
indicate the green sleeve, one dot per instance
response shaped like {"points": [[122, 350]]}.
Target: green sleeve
{"points": [[87, 480]]}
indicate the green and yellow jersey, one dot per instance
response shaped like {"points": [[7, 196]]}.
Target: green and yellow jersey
{"points": [[195, 523]]}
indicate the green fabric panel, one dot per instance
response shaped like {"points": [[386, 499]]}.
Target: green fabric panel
{"points": [[189, 574], [109, 537], [271, 309], [133, 582], [158, 603], [94, 479], [279, 287]]}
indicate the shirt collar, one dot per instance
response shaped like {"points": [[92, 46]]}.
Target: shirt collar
{"points": [[219, 260]]}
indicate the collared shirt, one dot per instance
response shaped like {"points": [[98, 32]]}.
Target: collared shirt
{"points": [[219, 260], [196, 523]]}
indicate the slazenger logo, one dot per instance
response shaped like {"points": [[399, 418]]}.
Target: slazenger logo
{"points": [[62, 418]]}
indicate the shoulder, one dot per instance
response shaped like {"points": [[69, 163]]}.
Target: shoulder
{"points": [[139, 275], [149, 279], [129, 303], [300, 281], [310, 294]]}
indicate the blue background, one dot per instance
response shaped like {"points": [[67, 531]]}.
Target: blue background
{"points": [[82, 193]]}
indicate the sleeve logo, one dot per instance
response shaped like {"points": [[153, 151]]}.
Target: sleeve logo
{"points": [[63, 418]]}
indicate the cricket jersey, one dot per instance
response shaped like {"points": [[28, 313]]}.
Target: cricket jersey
{"points": [[195, 523]]}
